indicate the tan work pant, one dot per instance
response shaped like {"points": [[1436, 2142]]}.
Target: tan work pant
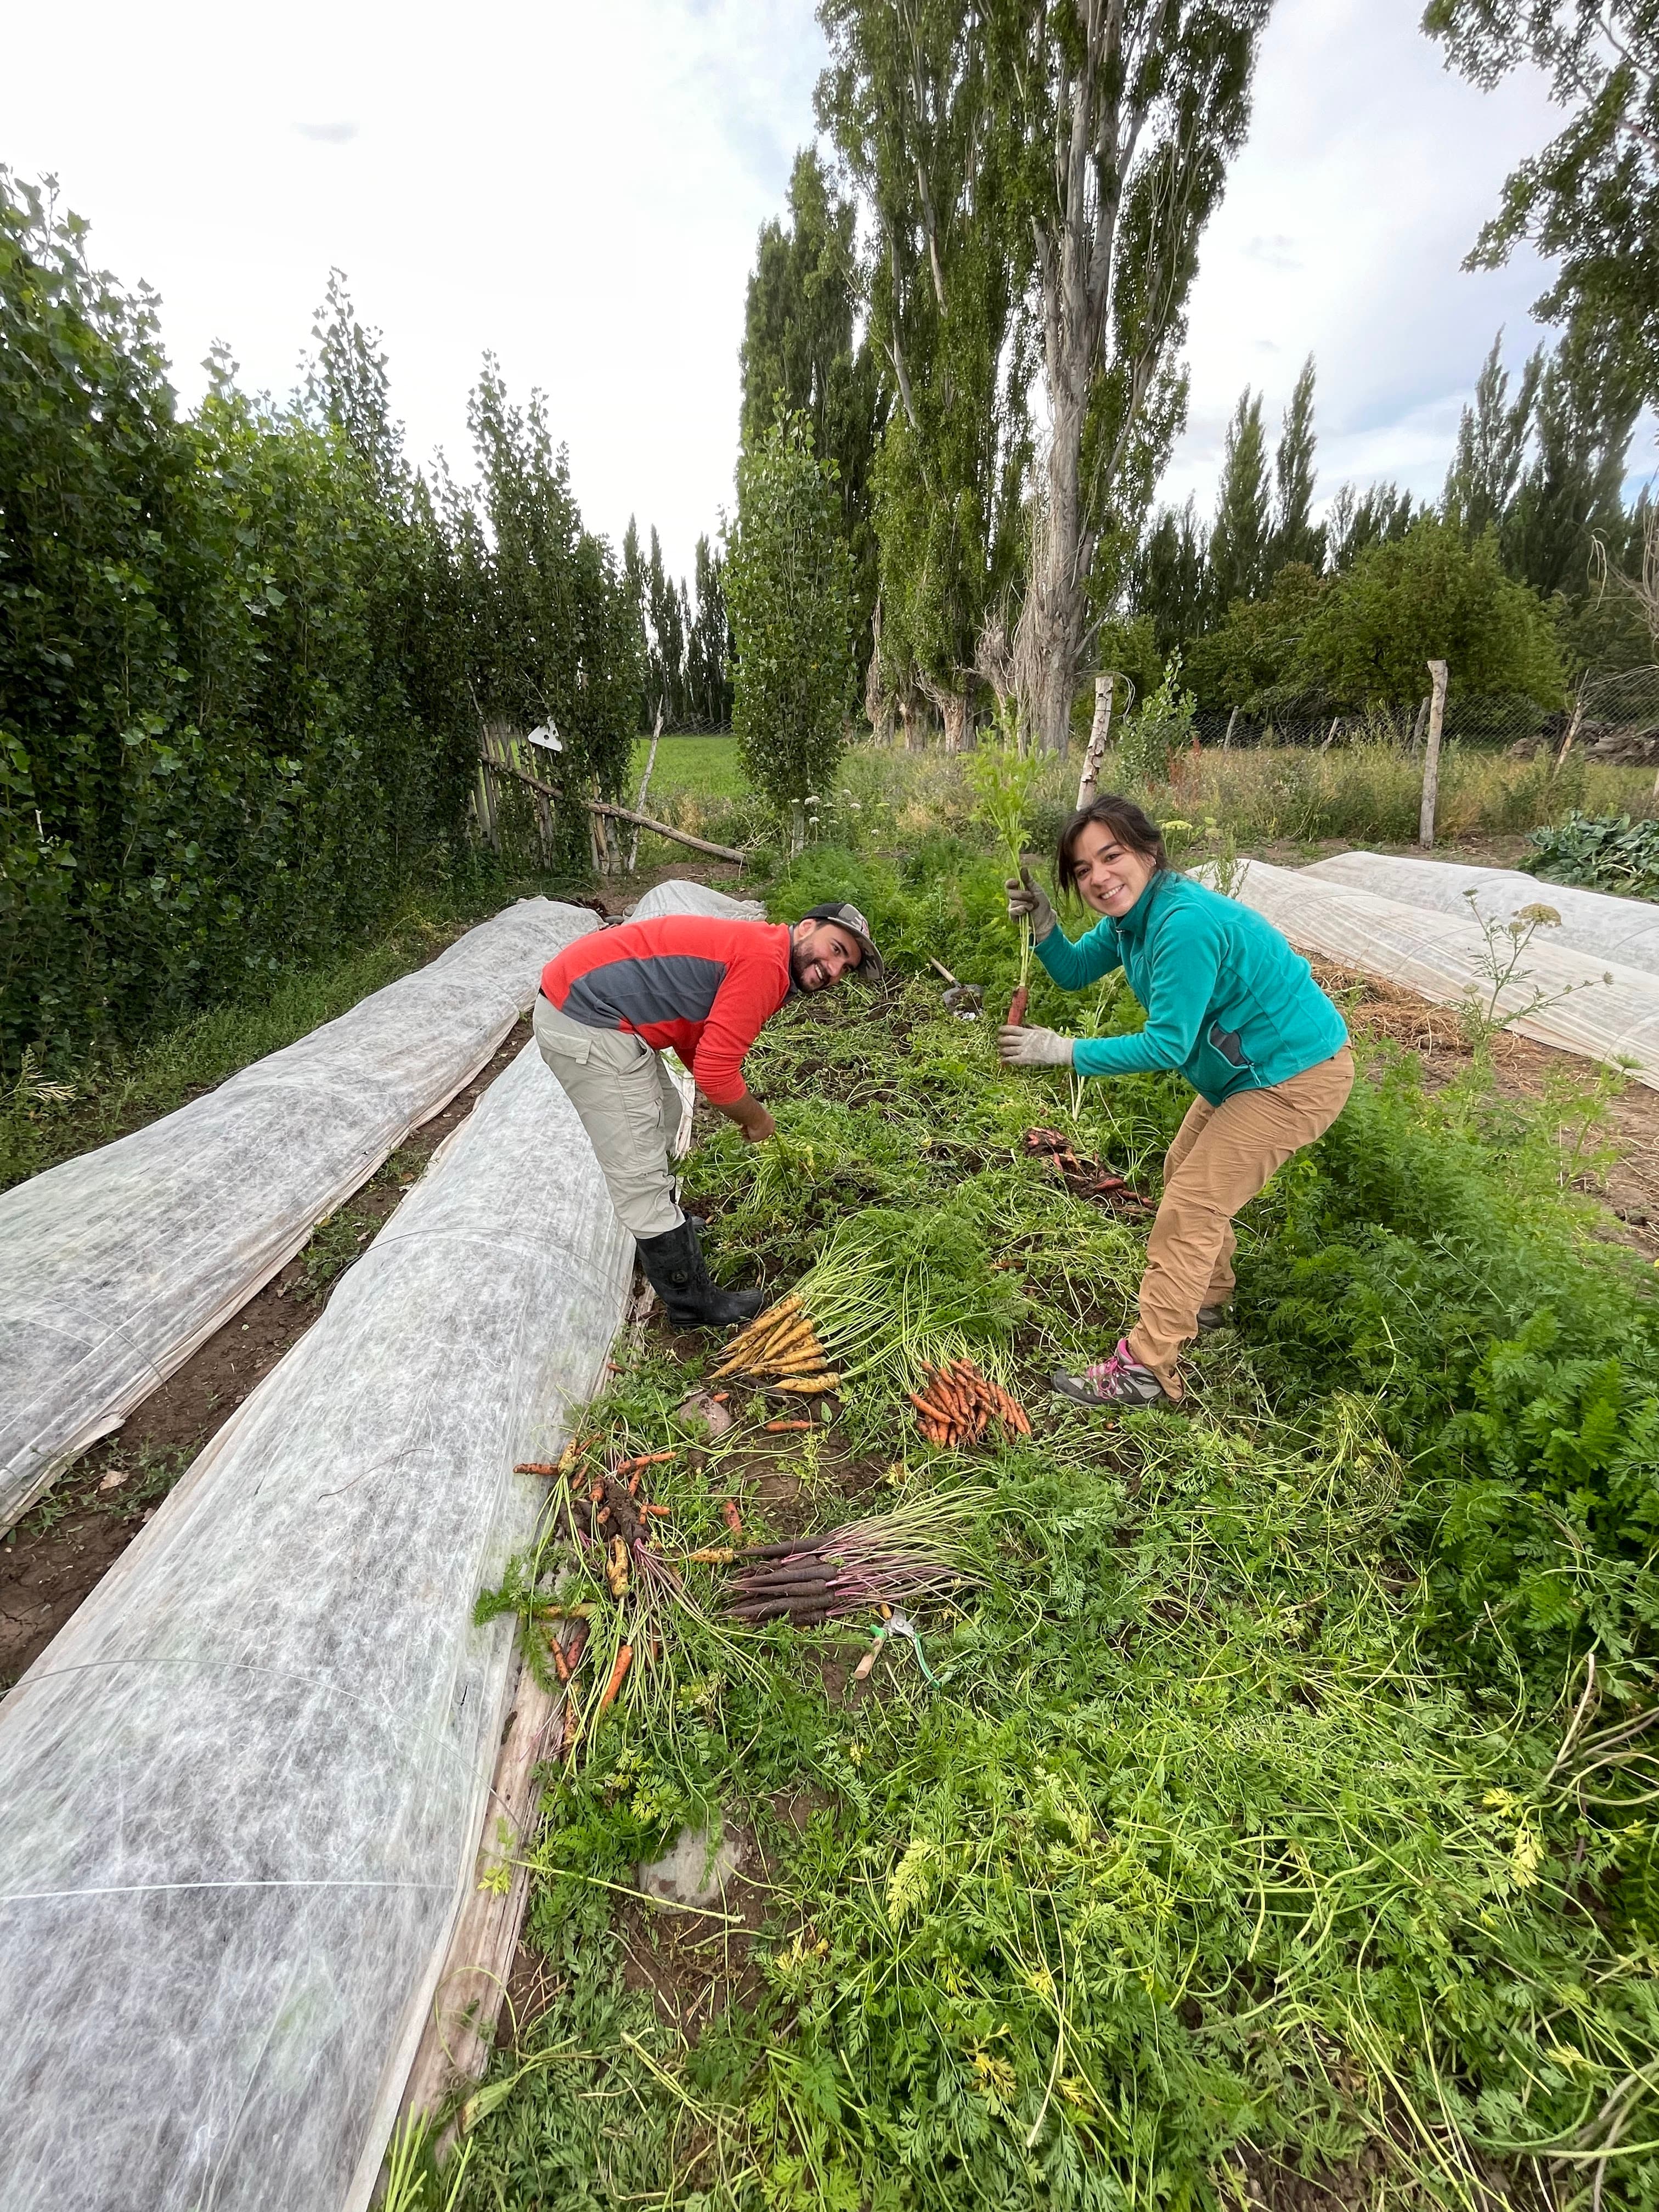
{"points": [[1222, 1156], [631, 1108]]}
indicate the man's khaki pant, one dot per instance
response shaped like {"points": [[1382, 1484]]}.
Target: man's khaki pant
{"points": [[1221, 1158], [631, 1108]]}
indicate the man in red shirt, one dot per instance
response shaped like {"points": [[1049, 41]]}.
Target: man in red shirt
{"points": [[612, 1002]]}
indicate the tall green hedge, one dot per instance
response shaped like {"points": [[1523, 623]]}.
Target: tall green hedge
{"points": [[243, 654]]}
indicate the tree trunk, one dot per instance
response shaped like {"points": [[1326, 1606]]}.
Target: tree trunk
{"points": [[1099, 737], [1060, 561], [953, 712]]}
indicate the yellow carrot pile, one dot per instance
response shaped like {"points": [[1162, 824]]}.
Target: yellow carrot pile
{"points": [[958, 1403], [780, 1348]]}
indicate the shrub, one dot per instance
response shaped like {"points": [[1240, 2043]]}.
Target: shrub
{"points": [[1422, 596], [1162, 728]]}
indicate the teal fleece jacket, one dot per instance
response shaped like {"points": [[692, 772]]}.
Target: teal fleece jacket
{"points": [[1227, 1000]]}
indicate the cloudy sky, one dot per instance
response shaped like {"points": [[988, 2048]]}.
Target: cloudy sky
{"points": [[578, 188]]}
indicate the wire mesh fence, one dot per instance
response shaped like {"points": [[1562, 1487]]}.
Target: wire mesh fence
{"points": [[1615, 718]]}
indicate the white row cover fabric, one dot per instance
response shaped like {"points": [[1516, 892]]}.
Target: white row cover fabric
{"points": [[245, 1786], [1439, 956], [1622, 929], [114, 1267]]}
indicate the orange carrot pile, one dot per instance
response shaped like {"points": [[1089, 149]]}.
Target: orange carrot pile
{"points": [[958, 1403], [779, 1348]]}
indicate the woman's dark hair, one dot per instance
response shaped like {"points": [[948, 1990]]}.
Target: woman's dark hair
{"points": [[1129, 825]]}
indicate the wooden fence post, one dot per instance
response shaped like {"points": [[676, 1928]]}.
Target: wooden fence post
{"points": [[1566, 741], [1417, 726], [1432, 758]]}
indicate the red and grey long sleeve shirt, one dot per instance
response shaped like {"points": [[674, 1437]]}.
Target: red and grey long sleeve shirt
{"points": [[700, 985]]}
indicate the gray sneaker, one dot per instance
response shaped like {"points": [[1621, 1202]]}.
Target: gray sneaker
{"points": [[1210, 1318], [1119, 1381]]}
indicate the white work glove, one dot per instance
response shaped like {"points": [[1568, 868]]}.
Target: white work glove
{"points": [[1027, 898], [1028, 1048]]}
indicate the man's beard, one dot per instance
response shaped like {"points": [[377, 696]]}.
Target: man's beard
{"points": [[799, 962]]}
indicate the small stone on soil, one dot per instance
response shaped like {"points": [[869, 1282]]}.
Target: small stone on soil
{"points": [[689, 1873]]}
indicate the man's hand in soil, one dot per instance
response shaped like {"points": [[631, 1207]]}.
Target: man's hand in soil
{"points": [[750, 1116], [1033, 1048]]}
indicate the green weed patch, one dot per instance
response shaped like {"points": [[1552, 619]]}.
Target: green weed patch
{"points": [[1266, 1813]]}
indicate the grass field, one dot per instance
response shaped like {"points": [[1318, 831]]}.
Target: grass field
{"points": [[884, 800], [1259, 1821], [709, 766]]}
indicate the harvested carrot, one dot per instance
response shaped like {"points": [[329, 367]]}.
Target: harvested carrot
{"points": [[561, 1664], [616, 1567], [645, 1459], [731, 1515], [624, 1661], [663, 1512], [567, 1742], [778, 1428], [713, 1555], [764, 1325], [1016, 1006], [808, 1386], [719, 1397], [535, 1467]]}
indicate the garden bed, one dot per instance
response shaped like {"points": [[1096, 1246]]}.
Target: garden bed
{"points": [[1255, 1828]]}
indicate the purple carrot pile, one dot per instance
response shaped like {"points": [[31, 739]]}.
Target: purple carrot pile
{"points": [[1084, 1177], [915, 1551]]}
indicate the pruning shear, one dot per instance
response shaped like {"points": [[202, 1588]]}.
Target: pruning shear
{"points": [[895, 1622]]}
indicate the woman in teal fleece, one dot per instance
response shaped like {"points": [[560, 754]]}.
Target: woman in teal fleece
{"points": [[1231, 1006]]}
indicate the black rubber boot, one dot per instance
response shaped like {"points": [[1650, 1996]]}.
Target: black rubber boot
{"points": [[677, 1271]]}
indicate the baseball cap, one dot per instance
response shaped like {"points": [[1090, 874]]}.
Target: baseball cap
{"points": [[847, 917]]}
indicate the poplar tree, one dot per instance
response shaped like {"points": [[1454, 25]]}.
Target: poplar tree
{"points": [[1295, 535], [1121, 116], [708, 647], [1357, 520], [1238, 543], [802, 349], [1569, 492], [910, 100], [789, 589], [1171, 582], [1492, 440]]}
